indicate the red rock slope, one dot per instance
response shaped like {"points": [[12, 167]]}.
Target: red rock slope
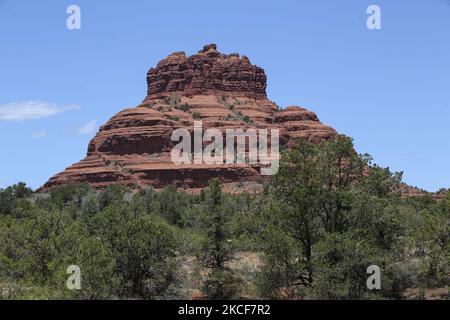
{"points": [[224, 91]]}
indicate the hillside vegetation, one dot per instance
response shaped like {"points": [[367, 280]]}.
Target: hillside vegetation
{"points": [[312, 233]]}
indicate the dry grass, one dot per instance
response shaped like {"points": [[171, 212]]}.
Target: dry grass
{"points": [[244, 266]]}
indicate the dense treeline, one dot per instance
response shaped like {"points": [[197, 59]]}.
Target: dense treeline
{"points": [[317, 226]]}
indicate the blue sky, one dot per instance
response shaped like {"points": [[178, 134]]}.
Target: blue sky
{"points": [[389, 89]]}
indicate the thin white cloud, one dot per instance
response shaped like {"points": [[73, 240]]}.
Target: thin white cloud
{"points": [[19, 111], [39, 134], [88, 127]]}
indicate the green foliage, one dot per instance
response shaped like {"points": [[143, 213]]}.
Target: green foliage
{"points": [[322, 220], [11, 199], [197, 116], [112, 196], [7, 202], [338, 215], [144, 251], [247, 119], [185, 107], [149, 105], [122, 253], [218, 249], [172, 206], [173, 100], [21, 190], [62, 196]]}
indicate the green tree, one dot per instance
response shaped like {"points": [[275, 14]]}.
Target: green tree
{"points": [[113, 195], [218, 250], [172, 205], [96, 262], [7, 202], [145, 252], [73, 193], [336, 218], [21, 190]]}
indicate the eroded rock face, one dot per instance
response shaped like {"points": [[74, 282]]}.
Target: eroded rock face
{"points": [[209, 71], [223, 91]]}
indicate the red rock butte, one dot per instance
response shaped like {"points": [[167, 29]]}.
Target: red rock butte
{"points": [[223, 91]]}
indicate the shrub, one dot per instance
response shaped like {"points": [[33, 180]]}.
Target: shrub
{"points": [[185, 107]]}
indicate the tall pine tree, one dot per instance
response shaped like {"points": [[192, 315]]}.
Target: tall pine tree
{"points": [[218, 250]]}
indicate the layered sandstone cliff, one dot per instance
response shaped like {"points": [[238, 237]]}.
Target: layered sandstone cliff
{"points": [[223, 91]]}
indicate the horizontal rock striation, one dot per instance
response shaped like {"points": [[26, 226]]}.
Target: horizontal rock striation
{"points": [[206, 72], [223, 91]]}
